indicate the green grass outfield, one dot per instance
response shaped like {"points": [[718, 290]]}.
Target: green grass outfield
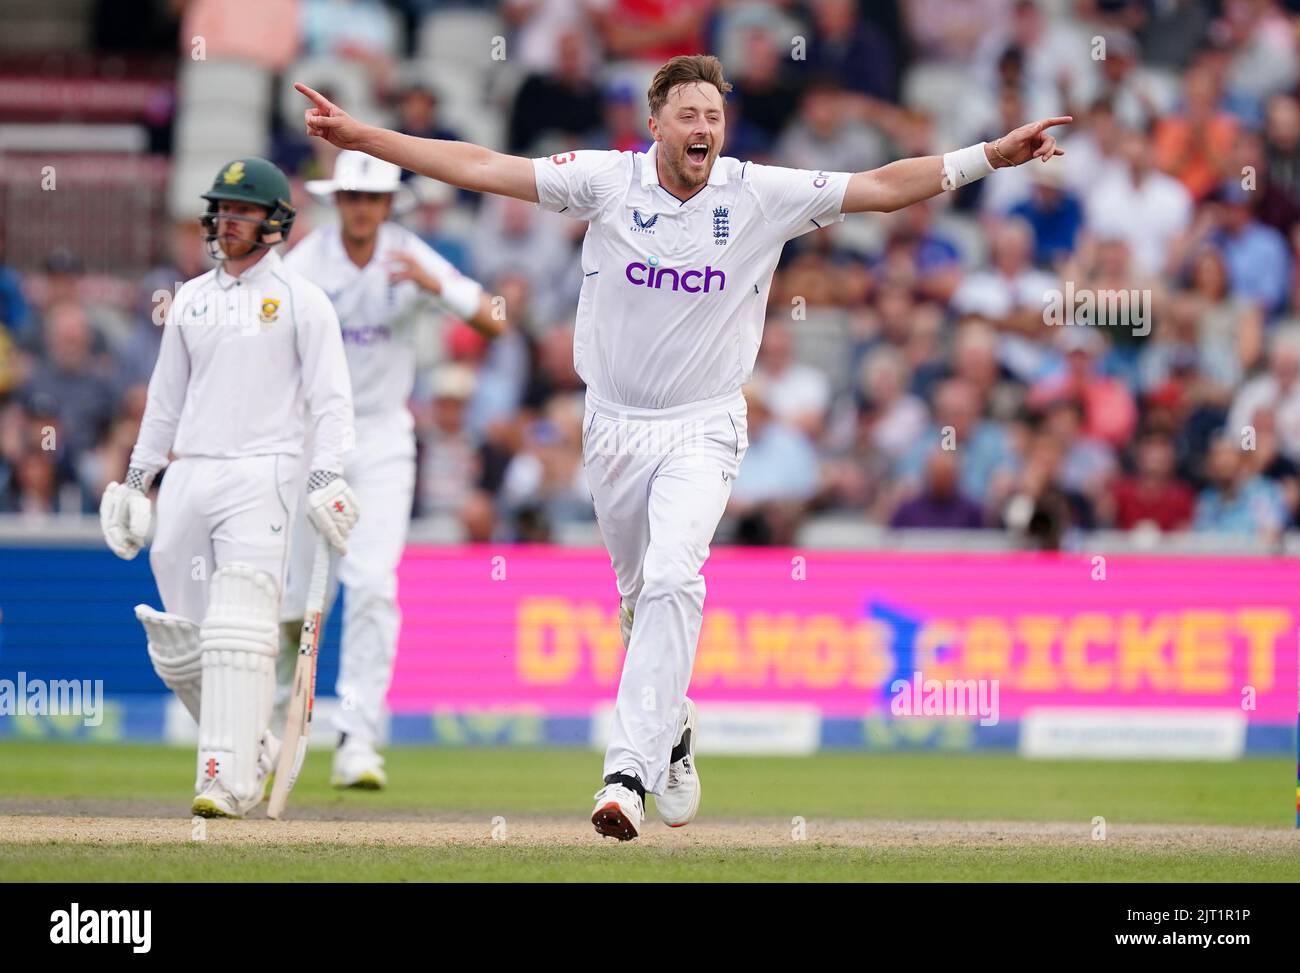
{"points": [[62, 779]]}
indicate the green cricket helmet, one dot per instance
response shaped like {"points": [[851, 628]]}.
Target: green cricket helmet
{"points": [[256, 181]]}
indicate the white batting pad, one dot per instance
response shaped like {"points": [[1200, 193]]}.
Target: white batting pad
{"points": [[239, 644], [175, 653]]}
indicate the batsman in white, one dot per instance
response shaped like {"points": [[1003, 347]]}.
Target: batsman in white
{"points": [[678, 259], [382, 279], [243, 347]]}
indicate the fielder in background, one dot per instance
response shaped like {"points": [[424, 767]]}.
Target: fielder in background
{"points": [[243, 347], [382, 279], [678, 259]]}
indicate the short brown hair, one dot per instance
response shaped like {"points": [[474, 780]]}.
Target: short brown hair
{"points": [[684, 69]]}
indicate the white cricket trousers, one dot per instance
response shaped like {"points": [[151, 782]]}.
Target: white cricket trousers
{"points": [[381, 472], [660, 479], [213, 512]]}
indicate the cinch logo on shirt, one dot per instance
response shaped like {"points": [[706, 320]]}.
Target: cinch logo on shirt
{"points": [[650, 274], [368, 335]]}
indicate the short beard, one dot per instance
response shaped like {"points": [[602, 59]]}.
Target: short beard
{"points": [[249, 248], [686, 177]]}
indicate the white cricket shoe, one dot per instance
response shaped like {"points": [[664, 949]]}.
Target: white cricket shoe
{"points": [[619, 812], [680, 801], [214, 801], [358, 765]]}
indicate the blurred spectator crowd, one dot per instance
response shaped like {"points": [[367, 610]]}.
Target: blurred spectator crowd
{"points": [[908, 373]]}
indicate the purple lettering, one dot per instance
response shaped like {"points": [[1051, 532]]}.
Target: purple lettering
{"points": [[367, 335], [658, 278]]}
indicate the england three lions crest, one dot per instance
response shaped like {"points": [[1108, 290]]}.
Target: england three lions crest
{"points": [[721, 225]]}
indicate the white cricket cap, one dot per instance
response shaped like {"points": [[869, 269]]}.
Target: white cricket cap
{"points": [[358, 172]]}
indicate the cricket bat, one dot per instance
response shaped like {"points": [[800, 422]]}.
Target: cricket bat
{"points": [[297, 726]]}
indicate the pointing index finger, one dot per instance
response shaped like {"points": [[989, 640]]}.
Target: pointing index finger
{"points": [[1059, 120], [322, 103]]}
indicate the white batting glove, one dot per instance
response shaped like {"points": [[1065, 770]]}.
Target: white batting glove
{"points": [[331, 508], [125, 515]]}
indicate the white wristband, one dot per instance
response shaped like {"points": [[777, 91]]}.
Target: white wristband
{"points": [[965, 166], [460, 296]]}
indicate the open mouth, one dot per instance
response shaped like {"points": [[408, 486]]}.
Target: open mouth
{"points": [[697, 153]]}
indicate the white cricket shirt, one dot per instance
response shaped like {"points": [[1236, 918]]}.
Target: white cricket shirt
{"points": [[239, 357], [377, 317], [675, 293]]}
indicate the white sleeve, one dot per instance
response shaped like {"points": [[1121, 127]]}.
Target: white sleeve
{"points": [[577, 184], [434, 263], [440, 269], [797, 200], [327, 387], [166, 397]]}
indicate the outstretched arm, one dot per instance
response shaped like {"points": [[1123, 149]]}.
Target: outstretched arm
{"points": [[462, 164], [909, 181]]}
